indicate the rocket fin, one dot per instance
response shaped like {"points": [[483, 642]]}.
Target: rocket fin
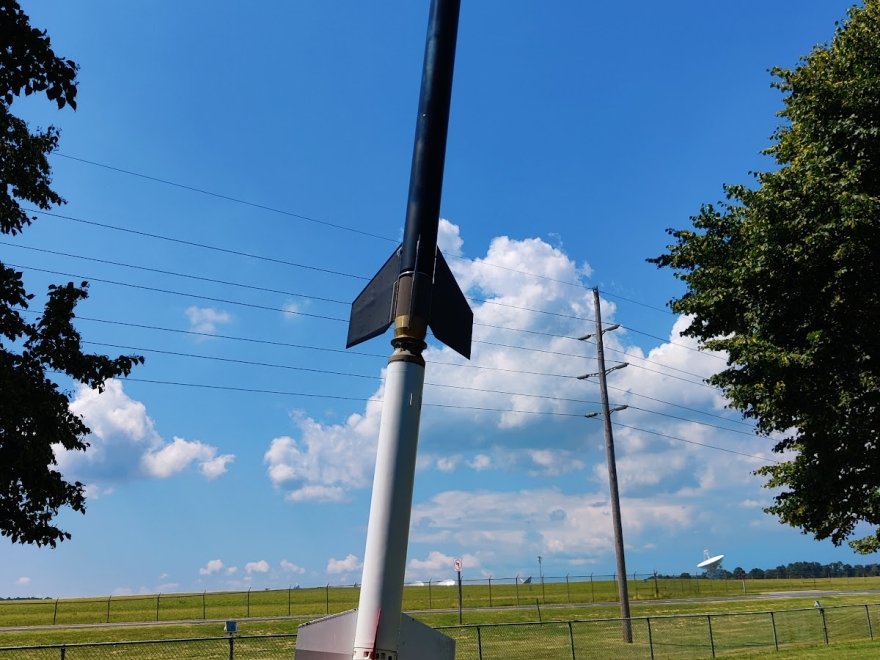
{"points": [[372, 312], [329, 638], [421, 642], [332, 638], [451, 318]]}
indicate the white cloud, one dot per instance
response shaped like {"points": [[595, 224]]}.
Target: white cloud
{"points": [[550, 463], [213, 566], [96, 491], [449, 238], [290, 567], [481, 419], [206, 319], [112, 413], [480, 462], [217, 466], [347, 565], [328, 460], [231, 570], [125, 444], [438, 563], [23, 581], [316, 493], [261, 566], [448, 463], [541, 521], [175, 457]]}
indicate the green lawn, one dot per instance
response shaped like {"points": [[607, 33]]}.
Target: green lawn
{"points": [[677, 629]]}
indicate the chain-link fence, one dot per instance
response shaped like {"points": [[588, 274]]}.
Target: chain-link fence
{"points": [[237, 647], [428, 595], [674, 636]]}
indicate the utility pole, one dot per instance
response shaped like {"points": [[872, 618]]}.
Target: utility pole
{"points": [[622, 590]]}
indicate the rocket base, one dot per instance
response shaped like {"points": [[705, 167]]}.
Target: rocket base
{"points": [[332, 638]]}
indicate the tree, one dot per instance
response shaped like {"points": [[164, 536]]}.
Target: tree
{"points": [[783, 276], [34, 412]]}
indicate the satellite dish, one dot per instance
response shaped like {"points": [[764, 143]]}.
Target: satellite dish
{"points": [[710, 563]]}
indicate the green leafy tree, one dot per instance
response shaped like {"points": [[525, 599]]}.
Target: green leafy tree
{"points": [[785, 277], [34, 411]]}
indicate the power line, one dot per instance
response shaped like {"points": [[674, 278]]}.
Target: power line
{"points": [[205, 246], [306, 296], [677, 405], [673, 343], [432, 405], [636, 302], [630, 356], [690, 421], [289, 213], [274, 365], [350, 275], [225, 301], [189, 276], [306, 346], [228, 198], [247, 255], [254, 390], [694, 442], [332, 225], [325, 349]]}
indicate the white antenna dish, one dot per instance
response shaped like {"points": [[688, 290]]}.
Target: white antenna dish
{"points": [[709, 561]]}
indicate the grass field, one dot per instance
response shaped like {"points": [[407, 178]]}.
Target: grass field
{"points": [[314, 602], [678, 629]]}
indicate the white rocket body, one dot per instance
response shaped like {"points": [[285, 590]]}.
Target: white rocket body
{"points": [[388, 530], [377, 630]]}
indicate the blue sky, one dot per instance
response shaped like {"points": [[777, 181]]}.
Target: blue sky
{"points": [[579, 132]]}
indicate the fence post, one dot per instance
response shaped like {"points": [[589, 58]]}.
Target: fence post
{"points": [[650, 637], [459, 597], [204, 606], [63, 652], [538, 605], [327, 598], [711, 637], [157, 605], [824, 625], [490, 591], [231, 647], [288, 600], [479, 643], [516, 582], [592, 590], [55, 615], [568, 588], [656, 586], [571, 639], [108, 608], [773, 624], [430, 600], [870, 630]]}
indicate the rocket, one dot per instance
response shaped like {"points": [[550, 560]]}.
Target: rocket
{"points": [[413, 291]]}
